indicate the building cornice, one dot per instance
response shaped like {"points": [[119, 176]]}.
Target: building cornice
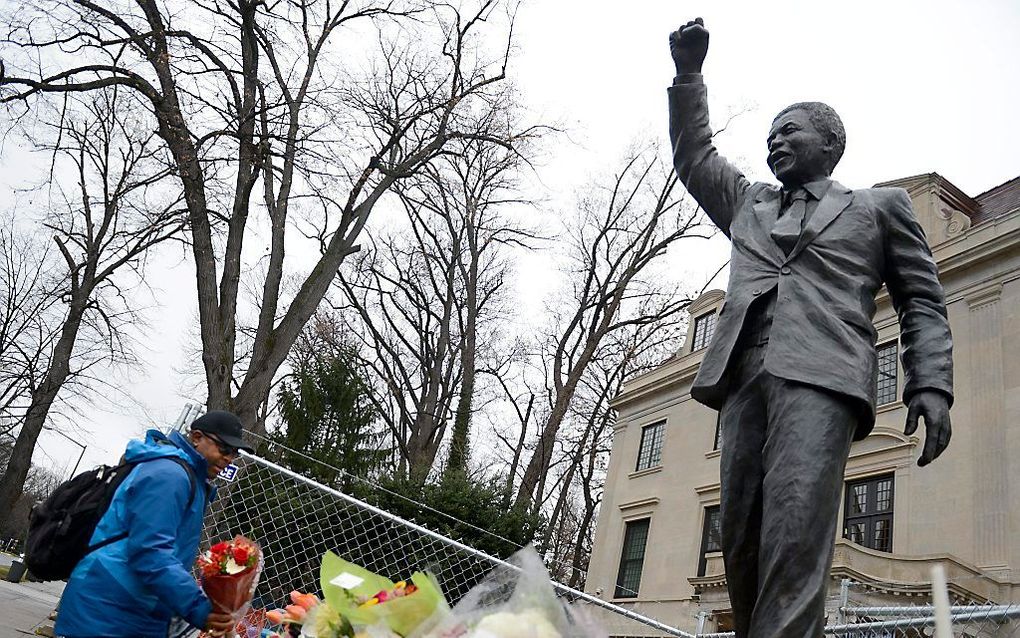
{"points": [[705, 301], [673, 372], [983, 242]]}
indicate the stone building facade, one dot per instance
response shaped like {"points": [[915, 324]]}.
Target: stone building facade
{"points": [[656, 546]]}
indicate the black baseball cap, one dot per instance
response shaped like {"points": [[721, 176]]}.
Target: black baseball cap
{"points": [[225, 425]]}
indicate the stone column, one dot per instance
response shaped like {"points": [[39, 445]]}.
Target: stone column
{"points": [[991, 462]]}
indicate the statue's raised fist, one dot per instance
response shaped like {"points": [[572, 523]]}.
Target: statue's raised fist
{"points": [[689, 45]]}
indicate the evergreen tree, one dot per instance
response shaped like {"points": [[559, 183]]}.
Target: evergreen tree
{"points": [[327, 414]]}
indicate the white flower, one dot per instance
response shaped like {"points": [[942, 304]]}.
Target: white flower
{"points": [[233, 568], [530, 623]]}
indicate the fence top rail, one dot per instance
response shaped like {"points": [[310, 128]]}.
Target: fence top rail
{"points": [[921, 610], [265, 439], [563, 589], [924, 621]]}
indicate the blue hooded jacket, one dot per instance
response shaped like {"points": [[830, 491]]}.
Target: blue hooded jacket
{"points": [[133, 587]]}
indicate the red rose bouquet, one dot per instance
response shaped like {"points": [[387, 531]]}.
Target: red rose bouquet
{"points": [[229, 573]]}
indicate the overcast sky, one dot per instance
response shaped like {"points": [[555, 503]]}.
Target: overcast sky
{"points": [[921, 87]]}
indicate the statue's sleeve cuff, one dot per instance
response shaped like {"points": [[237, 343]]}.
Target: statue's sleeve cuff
{"points": [[688, 78]]}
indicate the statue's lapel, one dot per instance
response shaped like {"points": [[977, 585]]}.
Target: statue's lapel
{"points": [[835, 201], [766, 211]]}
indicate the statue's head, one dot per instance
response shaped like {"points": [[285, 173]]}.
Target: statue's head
{"points": [[805, 143]]}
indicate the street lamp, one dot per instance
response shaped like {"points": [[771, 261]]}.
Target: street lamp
{"points": [[81, 445]]}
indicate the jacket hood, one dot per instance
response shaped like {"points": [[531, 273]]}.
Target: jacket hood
{"points": [[158, 445]]}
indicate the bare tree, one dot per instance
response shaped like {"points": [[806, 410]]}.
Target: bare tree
{"points": [[412, 308], [624, 354], [27, 297], [467, 192], [106, 216], [617, 243], [514, 438], [263, 116], [430, 298]]}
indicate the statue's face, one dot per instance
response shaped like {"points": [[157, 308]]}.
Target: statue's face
{"points": [[798, 152]]}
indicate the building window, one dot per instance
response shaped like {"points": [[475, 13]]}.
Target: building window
{"points": [[650, 453], [886, 392], [868, 516], [718, 431], [632, 558], [710, 539], [704, 328]]}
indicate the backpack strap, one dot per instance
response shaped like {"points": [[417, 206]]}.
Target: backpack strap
{"points": [[191, 498], [191, 479]]}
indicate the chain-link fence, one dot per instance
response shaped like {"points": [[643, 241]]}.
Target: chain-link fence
{"points": [[971, 621], [297, 520], [859, 617]]}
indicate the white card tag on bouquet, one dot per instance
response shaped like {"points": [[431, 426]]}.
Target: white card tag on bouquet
{"points": [[346, 580]]}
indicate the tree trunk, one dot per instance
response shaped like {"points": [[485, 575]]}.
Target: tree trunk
{"points": [[13, 481], [539, 463], [515, 463], [560, 504], [577, 566], [460, 451]]}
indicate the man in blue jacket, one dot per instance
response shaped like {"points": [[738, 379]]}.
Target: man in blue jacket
{"points": [[133, 587]]}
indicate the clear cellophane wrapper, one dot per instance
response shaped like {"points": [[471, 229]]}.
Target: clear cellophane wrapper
{"points": [[516, 601]]}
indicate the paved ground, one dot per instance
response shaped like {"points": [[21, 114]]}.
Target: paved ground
{"points": [[26, 605]]}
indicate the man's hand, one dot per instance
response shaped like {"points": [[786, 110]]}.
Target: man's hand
{"points": [[219, 623], [934, 407], [689, 46]]}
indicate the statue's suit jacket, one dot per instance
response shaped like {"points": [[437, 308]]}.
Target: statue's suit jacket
{"points": [[856, 240]]}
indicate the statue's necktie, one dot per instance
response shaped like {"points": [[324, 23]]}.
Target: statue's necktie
{"points": [[786, 232]]}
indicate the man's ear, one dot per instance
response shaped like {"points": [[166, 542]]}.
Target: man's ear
{"points": [[194, 436]]}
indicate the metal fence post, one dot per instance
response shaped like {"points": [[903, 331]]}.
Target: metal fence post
{"points": [[844, 600], [940, 598]]}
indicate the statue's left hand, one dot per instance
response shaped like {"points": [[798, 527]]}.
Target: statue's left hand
{"points": [[934, 407]]}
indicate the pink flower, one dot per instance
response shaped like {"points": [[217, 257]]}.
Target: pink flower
{"points": [[304, 600], [296, 612]]}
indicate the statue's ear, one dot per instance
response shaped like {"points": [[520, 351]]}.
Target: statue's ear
{"points": [[830, 143], [827, 148]]}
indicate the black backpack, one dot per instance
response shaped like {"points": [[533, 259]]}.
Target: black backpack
{"points": [[61, 526]]}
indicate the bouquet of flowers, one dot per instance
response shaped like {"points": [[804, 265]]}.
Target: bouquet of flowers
{"points": [[229, 572], [360, 604], [363, 599]]}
